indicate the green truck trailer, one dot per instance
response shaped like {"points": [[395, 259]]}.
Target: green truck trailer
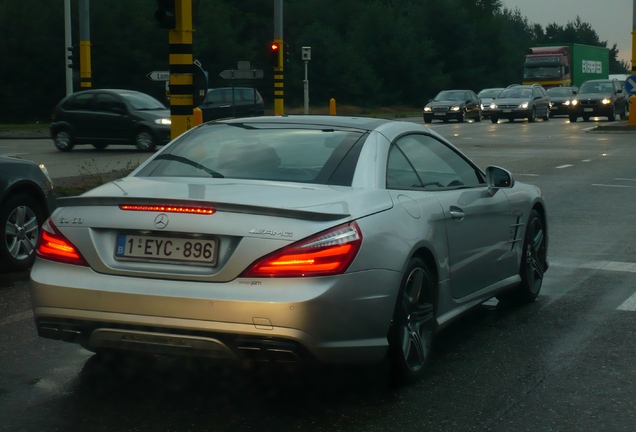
{"points": [[564, 65]]}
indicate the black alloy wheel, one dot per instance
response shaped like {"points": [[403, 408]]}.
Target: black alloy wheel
{"points": [[413, 326]]}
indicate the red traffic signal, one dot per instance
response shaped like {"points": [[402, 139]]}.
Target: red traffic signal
{"points": [[274, 49]]}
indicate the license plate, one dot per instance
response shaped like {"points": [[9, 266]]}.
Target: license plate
{"points": [[588, 109], [440, 114], [159, 248], [507, 110]]}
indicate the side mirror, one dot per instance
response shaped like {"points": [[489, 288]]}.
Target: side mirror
{"points": [[499, 178]]}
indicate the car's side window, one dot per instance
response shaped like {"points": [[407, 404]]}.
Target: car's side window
{"points": [[80, 102], [109, 103], [421, 161]]}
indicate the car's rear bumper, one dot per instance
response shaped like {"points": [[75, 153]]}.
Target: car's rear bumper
{"points": [[342, 319]]}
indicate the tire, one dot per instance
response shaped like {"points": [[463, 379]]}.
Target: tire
{"points": [[63, 140], [461, 117], [623, 114], [145, 140], [573, 119], [100, 146], [494, 119], [533, 262], [586, 118], [413, 326], [427, 119], [20, 219], [533, 116], [479, 116], [547, 115], [612, 115]]}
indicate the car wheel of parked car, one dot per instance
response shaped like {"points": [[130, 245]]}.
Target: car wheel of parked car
{"points": [[411, 333], [546, 117], [427, 119], [623, 114], [100, 146], [20, 220], [63, 140], [479, 116], [533, 115], [533, 262], [494, 119], [573, 119], [612, 115], [461, 117], [586, 118], [144, 140]]}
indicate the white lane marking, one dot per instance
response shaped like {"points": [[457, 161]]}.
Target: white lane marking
{"points": [[629, 304], [624, 179], [612, 186], [586, 160], [564, 166]]}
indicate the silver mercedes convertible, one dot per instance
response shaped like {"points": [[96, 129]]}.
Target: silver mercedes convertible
{"points": [[289, 238]]}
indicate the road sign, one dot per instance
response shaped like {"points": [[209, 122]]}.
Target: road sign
{"points": [[159, 76], [630, 85], [241, 74]]}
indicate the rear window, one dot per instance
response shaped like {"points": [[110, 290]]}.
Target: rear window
{"points": [[261, 151]]}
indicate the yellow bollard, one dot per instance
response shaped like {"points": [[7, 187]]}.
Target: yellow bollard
{"points": [[197, 116], [631, 121], [332, 106]]}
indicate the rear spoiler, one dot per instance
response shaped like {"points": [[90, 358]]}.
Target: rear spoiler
{"points": [[79, 201]]}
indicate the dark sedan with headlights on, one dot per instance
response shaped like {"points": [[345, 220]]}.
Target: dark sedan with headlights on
{"points": [[289, 238], [561, 99], [26, 200], [457, 105], [599, 98]]}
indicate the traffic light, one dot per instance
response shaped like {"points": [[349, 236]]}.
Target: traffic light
{"points": [[73, 57], [165, 14], [286, 54], [275, 52]]}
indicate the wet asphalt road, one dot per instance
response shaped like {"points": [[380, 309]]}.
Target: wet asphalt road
{"points": [[564, 363]]}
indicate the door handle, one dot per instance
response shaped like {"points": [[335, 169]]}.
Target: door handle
{"points": [[457, 213]]}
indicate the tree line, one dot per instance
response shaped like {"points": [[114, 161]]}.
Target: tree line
{"points": [[368, 53]]}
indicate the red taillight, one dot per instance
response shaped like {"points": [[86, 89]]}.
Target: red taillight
{"points": [[52, 245], [325, 254]]}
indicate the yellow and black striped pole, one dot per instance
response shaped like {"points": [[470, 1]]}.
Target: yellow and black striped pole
{"points": [[279, 74], [85, 45], [181, 69]]}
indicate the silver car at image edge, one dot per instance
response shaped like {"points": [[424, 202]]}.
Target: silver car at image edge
{"points": [[27, 198], [289, 238]]}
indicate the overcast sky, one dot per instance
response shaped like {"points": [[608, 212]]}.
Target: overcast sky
{"points": [[612, 20]]}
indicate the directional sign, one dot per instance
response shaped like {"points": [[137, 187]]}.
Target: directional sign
{"points": [[159, 76], [241, 74], [630, 85]]}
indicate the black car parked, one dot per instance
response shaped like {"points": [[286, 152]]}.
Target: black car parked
{"points": [[110, 116], [453, 105], [229, 102], [27, 198], [599, 98]]}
